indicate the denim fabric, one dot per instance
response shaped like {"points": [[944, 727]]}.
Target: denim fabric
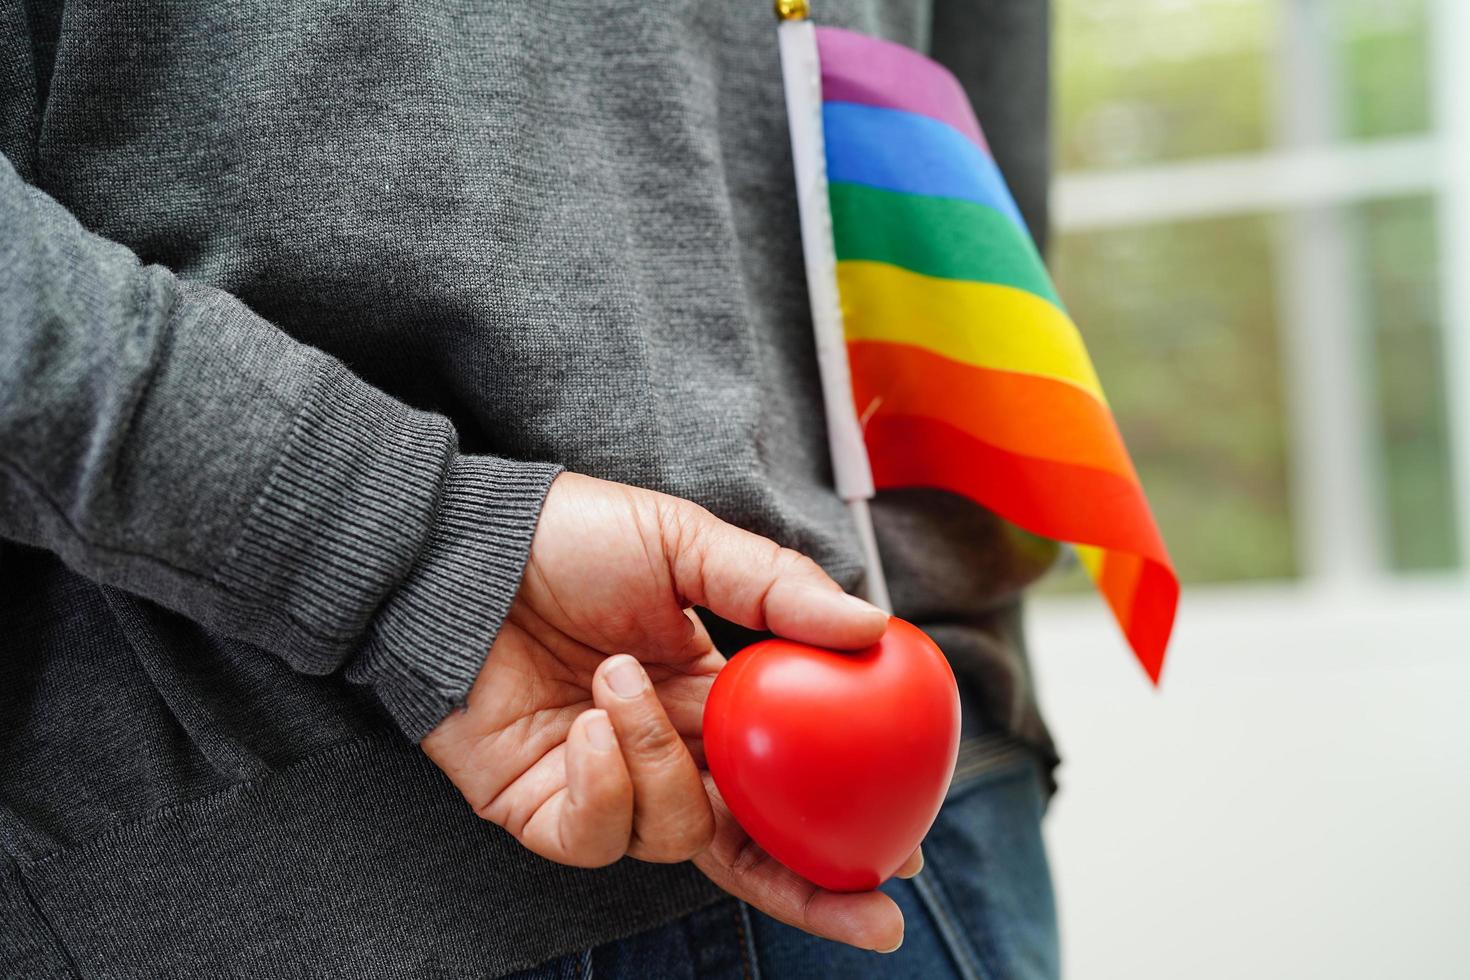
{"points": [[982, 908]]}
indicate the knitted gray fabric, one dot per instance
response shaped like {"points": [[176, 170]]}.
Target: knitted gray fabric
{"points": [[302, 307]]}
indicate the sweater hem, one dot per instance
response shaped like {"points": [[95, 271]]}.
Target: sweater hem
{"points": [[362, 860]]}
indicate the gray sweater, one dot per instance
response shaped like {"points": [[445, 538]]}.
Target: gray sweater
{"points": [[302, 306]]}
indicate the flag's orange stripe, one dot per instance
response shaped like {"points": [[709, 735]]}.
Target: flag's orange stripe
{"points": [[1117, 581], [1023, 413]]}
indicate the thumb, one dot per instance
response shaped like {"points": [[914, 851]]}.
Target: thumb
{"points": [[753, 581]]}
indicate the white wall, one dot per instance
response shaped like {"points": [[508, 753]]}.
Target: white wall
{"points": [[1294, 802]]}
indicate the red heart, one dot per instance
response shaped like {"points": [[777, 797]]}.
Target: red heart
{"points": [[835, 762]]}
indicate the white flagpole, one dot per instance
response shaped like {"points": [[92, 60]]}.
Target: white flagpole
{"points": [[802, 76]]}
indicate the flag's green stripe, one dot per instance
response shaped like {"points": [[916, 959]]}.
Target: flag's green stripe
{"points": [[942, 237]]}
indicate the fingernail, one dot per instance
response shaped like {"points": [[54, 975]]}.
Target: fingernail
{"points": [[841, 603], [600, 732], [859, 606], [625, 677], [916, 870], [892, 948]]}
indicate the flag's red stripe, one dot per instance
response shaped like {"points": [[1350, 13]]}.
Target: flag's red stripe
{"points": [[1024, 413], [1143, 595], [1154, 602], [1057, 500]]}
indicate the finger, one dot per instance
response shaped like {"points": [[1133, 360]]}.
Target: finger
{"points": [[596, 821], [684, 688], [671, 813], [683, 697], [867, 920], [913, 865], [754, 582]]}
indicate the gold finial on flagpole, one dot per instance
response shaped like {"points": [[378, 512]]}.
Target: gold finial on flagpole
{"points": [[792, 9]]}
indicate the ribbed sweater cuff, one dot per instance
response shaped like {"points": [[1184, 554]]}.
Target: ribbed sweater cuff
{"points": [[431, 639], [376, 546]]}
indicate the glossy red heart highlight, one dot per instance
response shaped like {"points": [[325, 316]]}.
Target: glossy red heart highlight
{"points": [[836, 763]]}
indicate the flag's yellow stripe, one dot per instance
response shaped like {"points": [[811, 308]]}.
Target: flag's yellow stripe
{"points": [[1091, 559], [979, 323]]}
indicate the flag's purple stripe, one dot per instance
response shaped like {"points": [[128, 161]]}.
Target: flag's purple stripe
{"points": [[870, 71]]}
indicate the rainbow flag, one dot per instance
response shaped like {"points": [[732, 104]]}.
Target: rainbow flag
{"points": [[967, 373]]}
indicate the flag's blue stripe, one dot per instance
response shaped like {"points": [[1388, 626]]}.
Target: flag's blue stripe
{"points": [[912, 154]]}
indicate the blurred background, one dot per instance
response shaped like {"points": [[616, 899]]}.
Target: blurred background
{"points": [[1262, 217]]}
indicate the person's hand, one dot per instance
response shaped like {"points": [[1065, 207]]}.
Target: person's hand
{"points": [[581, 735]]}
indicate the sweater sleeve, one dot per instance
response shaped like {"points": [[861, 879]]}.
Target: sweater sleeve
{"points": [[162, 438]]}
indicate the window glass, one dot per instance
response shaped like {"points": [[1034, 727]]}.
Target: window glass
{"points": [[1383, 55], [1141, 81], [1182, 318], [1148, 81], [1402, 297], [1181, 322]]}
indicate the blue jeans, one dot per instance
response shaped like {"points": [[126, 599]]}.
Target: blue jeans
{"points": [[981, 909]]}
